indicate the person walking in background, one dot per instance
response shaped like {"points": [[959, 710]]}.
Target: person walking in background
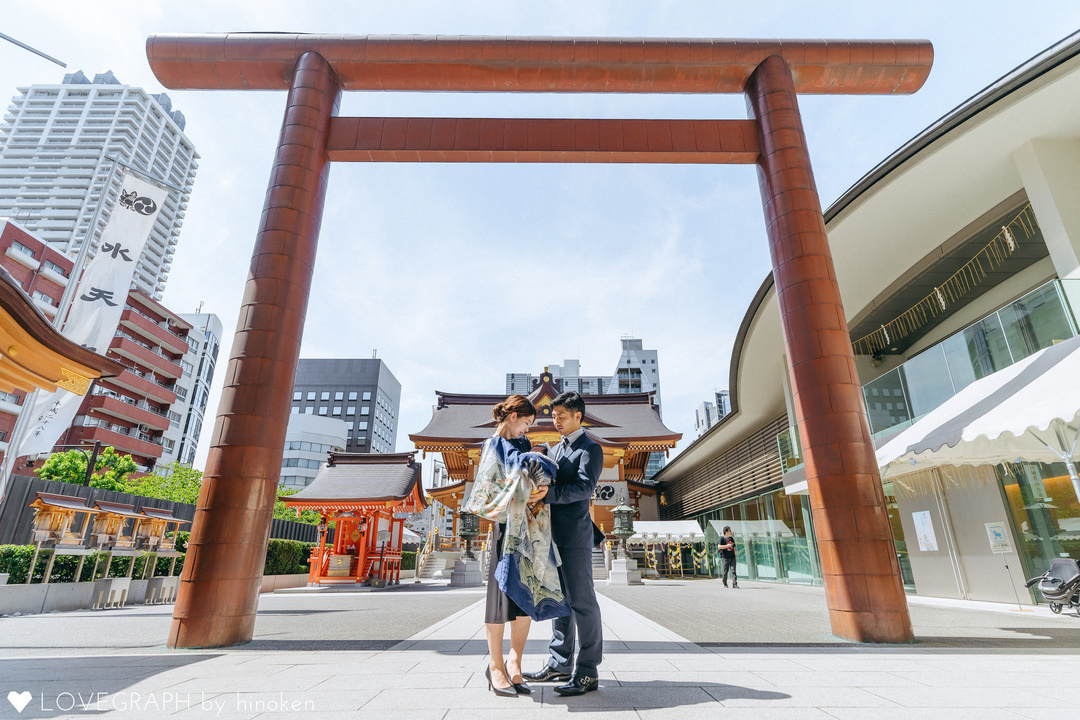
{"points": [[727, 556]]}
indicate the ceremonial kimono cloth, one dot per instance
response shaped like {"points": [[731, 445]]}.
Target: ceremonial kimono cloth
{"points": [[526, 565]]}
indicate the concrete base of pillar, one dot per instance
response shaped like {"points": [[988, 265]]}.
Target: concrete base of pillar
{"points": [[466, 574], [624, 572]]}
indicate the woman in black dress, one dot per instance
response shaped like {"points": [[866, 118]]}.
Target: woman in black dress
{"points": [[514, 417]]}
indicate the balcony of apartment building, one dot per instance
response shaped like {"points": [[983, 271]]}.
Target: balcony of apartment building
{"points": [[144, 326], [145, 384], [144, 447], [132, 348], [105, 401]]}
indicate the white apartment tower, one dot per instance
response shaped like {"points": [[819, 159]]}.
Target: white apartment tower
{"points": [[187, 414], [637, 370], [55, 145]]}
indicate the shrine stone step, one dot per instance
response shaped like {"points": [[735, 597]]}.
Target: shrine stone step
{"points": [[599, 566]]}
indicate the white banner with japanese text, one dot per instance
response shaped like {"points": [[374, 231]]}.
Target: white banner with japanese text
{"points": [[97, 303]]}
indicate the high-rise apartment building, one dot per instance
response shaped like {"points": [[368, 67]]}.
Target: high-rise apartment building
{"points": [[711, 411], [362, 392], [56, 142], [636, 371], [43, 274], [187, 414], [133, 411]]}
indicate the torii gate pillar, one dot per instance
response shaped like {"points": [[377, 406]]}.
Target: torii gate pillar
{"points": [[219, 587]]}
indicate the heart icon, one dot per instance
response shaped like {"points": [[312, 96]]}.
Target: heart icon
{"points": [[19, 700]]}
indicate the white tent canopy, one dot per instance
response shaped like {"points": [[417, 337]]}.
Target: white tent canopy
{"points": [[408, 536], [663, 531], [1029, 411]]}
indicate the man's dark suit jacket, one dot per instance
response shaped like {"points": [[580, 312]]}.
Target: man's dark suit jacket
{"points": [[571, 492]]}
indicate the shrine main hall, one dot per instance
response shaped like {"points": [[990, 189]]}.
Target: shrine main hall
{"points": [[627, 426]]}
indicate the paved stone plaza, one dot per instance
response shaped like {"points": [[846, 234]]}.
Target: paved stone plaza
{"points": [[672, 649]]}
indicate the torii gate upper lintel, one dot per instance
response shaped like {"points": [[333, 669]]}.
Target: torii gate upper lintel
{"points": [[219, 589]]}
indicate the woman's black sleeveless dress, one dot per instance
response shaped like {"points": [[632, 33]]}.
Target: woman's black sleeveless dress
{"points": [[500, 608]]}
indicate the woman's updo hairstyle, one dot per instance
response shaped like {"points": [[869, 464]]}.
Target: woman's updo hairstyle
{"points": [[514, 404]]}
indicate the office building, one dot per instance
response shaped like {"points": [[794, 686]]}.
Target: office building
{"points": [[309, 440], [362, 392], [55, 145]]}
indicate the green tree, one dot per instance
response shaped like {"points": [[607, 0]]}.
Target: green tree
{"points": [[286, 513], [169, 482], [110, 470]]}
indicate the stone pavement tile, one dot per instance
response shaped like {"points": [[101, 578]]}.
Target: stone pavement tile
{"points": [[632, 695], [394, 681], [726, 713], [615, 662], [690, 677], [741, 662], [1064, 691], [515, 711], [856, 661], [427, 699], [819, 697], [894, 713], [276, 703], [234, 682], [847, 678], [969, 697], [1033, 681]]}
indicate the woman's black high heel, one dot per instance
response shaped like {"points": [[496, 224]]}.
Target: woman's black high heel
{"points": [[521, 687], [501, 692]]}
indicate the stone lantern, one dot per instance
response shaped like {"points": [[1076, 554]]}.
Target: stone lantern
{"points": [[623, 519], [467, 570], [468, 529], [624, 570]]}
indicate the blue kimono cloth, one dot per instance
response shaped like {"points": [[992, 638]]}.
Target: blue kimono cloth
{"points": [[528, 569]]}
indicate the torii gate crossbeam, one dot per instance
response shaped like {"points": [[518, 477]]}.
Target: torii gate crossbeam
{"points": [[218, 596]]}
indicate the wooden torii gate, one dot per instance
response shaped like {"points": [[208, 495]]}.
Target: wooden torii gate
{"points": [[220, 582]]}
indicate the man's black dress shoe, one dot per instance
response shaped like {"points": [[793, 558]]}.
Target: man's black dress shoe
{"points": [[548, 674], [578, 685]]}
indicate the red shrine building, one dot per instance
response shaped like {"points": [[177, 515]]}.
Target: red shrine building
{"points": [[368, 497]]}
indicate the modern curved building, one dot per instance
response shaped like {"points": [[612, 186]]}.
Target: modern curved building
{"points": [[956, 256]]}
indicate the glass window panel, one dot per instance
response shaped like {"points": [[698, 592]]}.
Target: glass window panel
{"points": [[1045, 512], [987, 349], [339, 395], [311, 395], [1035, 321], [882, 417], [960, 367], [927, 380]]}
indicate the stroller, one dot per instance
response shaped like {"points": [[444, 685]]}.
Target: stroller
{"points": [[1060, 585]]}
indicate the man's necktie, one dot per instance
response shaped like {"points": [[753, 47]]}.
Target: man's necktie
{"points": [[564, 448]]}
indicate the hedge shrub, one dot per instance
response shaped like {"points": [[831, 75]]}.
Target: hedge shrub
{"points": [[283, 557], [287, 557], [408, 560]]}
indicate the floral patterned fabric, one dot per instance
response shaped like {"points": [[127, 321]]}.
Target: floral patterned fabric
{"points": [[528, 569]]}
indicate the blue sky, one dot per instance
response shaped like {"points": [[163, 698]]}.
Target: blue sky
{"points": [[458, 274]]}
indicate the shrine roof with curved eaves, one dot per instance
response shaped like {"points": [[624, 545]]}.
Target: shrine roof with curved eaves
{"points": [[463, 419], [359, 478]]}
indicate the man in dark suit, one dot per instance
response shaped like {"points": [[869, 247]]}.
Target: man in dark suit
{"points": [[579, 461]]}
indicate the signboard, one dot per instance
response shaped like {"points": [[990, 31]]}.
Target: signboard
{"points": [[383, 536], [610, 493], [924, 531], [999, 538]]}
